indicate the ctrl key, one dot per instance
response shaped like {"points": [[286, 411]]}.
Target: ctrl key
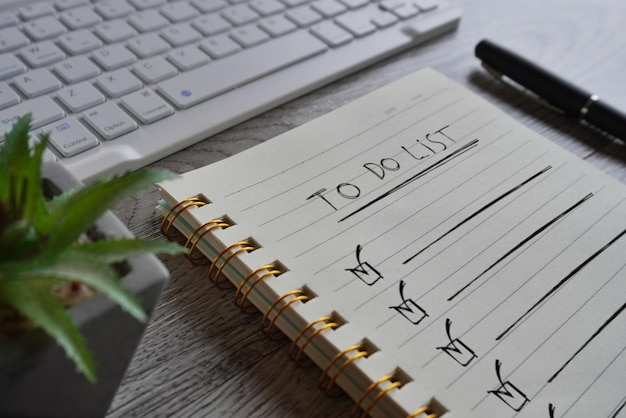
{"points": [[109, 120], [70, 137]]}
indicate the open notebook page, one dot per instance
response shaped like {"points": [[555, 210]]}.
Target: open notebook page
{"points": [[482, 264]]}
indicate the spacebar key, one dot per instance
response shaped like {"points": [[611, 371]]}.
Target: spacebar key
{"points": [[198, 85]]}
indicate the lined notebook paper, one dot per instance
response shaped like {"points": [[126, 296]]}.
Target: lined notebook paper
{"points": [[432, 256]]}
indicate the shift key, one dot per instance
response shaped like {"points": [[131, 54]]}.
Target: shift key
{"points": [[70, 137], [43, 110], [109, 120]]}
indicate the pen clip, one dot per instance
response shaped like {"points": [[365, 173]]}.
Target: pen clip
{"points": [[511, 83]]}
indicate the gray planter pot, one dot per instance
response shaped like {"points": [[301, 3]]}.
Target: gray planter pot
{"points": [[37, 379]]}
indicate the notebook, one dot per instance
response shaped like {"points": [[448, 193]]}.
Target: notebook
{"points": [[432, 256]]}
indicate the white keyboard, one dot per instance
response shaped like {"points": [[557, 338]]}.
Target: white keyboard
{"points": [[119, 84]]}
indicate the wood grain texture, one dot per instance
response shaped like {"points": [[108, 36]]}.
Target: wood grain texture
{"points": [[201, 356]]}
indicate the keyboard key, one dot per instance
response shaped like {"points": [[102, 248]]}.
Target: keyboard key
{"points": [[37, 82], [109, 121], [153, 70], [330, 33], [240, 15], [193, 87], [391, 4], [357, 25], [12, 38], [383, 19], [113, 9], [303, 16], [114, 31], [438, 21], [294, 3], [148, 45], [178, 11], [7, 96], [79, 42], [69, 137], [277, 25], [354, 4], [267, 7], [208, 6], [79, 18], [147, 21], [118, 83], [328, 8], [147, 4], [76, 69], [36, 10], [80, 97], [406, 11], [10, 66], [42, 53], [248, 36], [43, 110], [7, 19], [187, 58], [147, 106], [426, 5], [69, 4], [44, 28], [180, 34], [113, 56], [219, 46], [210, 25]]}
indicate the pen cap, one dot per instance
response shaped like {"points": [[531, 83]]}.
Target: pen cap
{"points": [[556, 91]]}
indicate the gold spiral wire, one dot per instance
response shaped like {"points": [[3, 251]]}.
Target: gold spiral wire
{"points": [[303, 331], [335, 376], [294, 344], [331, 363], [298, 356], [216, 277], [378, 396], [423, 410], [199, 233], [269, 269], [249, 307], [244, 246], [270, 330], [367, 391], [175, 211]]}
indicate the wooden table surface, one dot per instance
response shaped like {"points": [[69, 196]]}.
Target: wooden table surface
{"points": [[201, 356]]}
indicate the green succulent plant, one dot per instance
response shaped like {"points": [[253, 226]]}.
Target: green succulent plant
{"points": [[42, 243]]}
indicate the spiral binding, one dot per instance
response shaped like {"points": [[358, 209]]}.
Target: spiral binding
{"points": [[331, 380], [175, 211], [387, 378], [243, 304], [270, 330], [199, 233], [393, 384], [330, 324], [244, 246], [270, 317], [423, 410]]}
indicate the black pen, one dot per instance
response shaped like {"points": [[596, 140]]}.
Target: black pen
{"points": [[571, 100]]}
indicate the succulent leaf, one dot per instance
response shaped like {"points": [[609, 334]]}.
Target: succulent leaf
{"points": [[39, 242], [97, 275], [71, 216], [112, 251], [32, 298]]}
